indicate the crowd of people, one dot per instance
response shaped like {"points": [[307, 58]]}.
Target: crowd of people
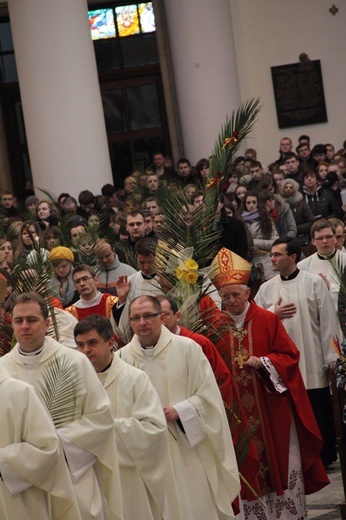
{"points": [[145, 417]]}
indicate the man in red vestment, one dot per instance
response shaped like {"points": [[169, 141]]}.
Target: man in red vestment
{"points": [[264, 363], [248, 464], [91, 300]]}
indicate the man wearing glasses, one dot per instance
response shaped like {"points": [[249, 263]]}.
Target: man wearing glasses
{"points": [[304, 305], [91, 301], [205, 466], [328, 262]]}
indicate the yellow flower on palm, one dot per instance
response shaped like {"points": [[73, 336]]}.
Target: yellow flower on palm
{"points": [[191, 264], [180, 273], [191, 277]]}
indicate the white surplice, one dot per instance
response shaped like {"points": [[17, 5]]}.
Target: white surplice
{"points": [[35, 483], [313, 326], [204, 461], [316, 265], [142, 443], [88, 435]]}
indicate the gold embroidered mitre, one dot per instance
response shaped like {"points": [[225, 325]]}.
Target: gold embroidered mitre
{"points": [[227, 268]]}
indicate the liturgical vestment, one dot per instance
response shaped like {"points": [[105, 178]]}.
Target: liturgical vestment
{"points": [[84, 423], [202, 451], [279, 411], [146, 472], [35, 483]]}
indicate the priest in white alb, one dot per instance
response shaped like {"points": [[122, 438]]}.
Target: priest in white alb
{"points": [[146, 472], [201, 446]]}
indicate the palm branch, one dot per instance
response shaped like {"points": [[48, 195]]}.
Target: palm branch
{"points": [[49, 196], [236, 128], [60, 389], [6, 336], [34, 276]]}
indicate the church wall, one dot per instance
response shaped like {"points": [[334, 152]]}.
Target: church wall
{"points": [[275, 32]]}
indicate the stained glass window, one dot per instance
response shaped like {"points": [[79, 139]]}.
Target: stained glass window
{"points": [[130, 19], [147, 17], [101, 24], [127, 20]]}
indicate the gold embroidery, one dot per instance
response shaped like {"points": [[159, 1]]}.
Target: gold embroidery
{"points": [[242, 354]]}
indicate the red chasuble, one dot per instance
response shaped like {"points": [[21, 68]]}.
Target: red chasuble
{"points": [[249, 464], [104, 308], [270, 412]]}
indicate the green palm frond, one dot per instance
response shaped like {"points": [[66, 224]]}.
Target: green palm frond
{"points": [[239, 125], [48, 195], [61, 389], [6, 336], [185, 228], [34, 276]]}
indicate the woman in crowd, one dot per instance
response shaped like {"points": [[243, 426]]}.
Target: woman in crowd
{"points": [[231, 183], [29, 235], [53, 237], [239, 195], [62, 284], [189, 191], [6, 249], [301, 211], [47, 214], [263, 229], [202, 172], [322, 170]]}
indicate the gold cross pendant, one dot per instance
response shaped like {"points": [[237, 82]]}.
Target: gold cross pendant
{"points": [[240, 358]]}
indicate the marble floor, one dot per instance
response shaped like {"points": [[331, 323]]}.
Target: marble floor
{"points": [[324, 505]]}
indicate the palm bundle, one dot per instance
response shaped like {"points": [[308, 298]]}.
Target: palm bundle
{"points": [[235, 129]]}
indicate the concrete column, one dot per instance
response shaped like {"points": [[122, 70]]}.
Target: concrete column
{"points": [[61, 96], [205, 69]]}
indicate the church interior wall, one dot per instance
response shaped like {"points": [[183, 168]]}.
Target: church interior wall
{"points": [[275, 32]]}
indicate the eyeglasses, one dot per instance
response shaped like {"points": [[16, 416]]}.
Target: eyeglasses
{"points": [[82, 280], [326, 237], [277, 255], [147, 317]]}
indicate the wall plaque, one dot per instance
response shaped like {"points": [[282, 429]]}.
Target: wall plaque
{"points": [[299, 94]]}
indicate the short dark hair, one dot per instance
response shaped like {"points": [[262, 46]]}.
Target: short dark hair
{"points": [[168, 298], [292, 246], [83, 267], [145, 246], [319, 148], [304, 137], [183, 160], [63, 196], [290, 155], [108, 190], [310, 171], [151, 299], [86, 197], [302, 145], [32, 297], [255, 164], [101, 324]]}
